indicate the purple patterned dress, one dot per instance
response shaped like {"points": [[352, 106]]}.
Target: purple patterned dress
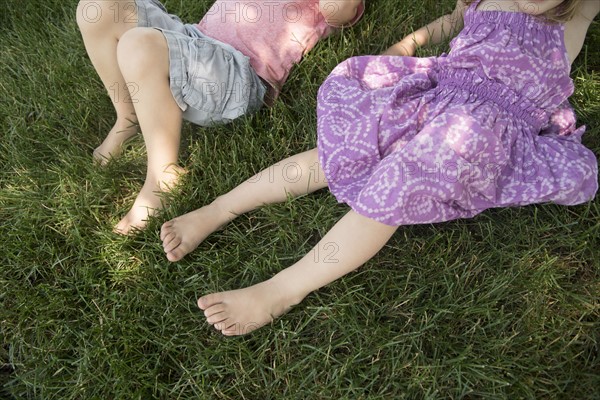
{"points": [[406, 140]]}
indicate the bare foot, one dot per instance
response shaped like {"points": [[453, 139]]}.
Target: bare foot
{"points": [[148, 201], [181, 236], [112, 146], [238, 312]]}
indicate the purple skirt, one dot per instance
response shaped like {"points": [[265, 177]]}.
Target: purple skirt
{"points": [[405, 141]]}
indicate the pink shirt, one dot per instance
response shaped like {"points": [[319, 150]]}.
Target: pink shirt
{"points": [[273, 34]]}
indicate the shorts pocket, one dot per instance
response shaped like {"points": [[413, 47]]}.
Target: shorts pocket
{"points": [[217, 81]]}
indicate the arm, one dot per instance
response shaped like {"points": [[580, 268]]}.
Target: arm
{"points": [[433, 33], [339, 12], [576, 28]]}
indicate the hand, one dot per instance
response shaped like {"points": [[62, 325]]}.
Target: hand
{"points": [[338, 13], [402, 48]]}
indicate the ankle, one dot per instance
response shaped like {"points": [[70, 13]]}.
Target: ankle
{"points": [[125, 124], [168, 178], [290, 293], [223, 209]]}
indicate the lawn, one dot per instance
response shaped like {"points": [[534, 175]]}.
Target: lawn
{"points": [[502, 306]]}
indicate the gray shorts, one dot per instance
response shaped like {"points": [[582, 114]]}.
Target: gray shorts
{"points": [[212, 82]]}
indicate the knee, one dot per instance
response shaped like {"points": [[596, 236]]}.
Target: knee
{"points": [[311, 162], [139, 49]]}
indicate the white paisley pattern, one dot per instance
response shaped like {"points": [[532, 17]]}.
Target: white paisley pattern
{"points": [[406, 140]]}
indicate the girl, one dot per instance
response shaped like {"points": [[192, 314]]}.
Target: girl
{"points": [[158, 70], [407, 140]]}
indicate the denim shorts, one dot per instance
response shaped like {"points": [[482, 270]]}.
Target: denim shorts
{"points": [[212, 82]]}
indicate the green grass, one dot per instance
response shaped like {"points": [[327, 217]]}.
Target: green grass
{"points": [[502, 306]]}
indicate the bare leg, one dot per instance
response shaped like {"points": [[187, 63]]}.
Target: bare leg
{"points": [[102, 23], [144, 60], [349, 244], [296, 175]]}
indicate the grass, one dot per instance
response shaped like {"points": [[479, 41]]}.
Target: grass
{"points": [[502, 306]]}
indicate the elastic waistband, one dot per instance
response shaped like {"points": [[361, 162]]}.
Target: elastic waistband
{"points": [[498, 93]]}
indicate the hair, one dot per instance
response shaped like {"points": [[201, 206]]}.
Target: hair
{"points": [[561, 13]]}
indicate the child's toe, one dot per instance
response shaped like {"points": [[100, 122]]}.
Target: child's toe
{"points": [[210, 300], [175, 255], [170, 242], [217, 318], [165, 229]]}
